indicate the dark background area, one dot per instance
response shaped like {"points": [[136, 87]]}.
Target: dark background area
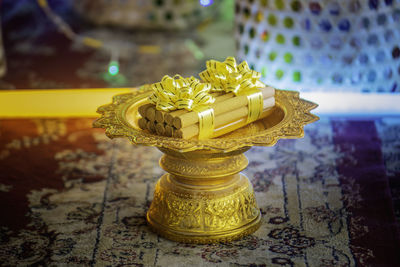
{"points": [[39, 55]]}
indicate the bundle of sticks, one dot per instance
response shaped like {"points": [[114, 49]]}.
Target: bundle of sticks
{"points": [[228, 109]]}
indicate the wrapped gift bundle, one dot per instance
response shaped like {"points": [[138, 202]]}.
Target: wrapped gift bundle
{"points": [[228, 97]]}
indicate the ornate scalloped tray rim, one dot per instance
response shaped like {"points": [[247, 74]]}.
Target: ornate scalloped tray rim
{"points": [[297, 115]]}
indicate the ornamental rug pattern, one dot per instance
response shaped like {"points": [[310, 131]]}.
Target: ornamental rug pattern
{"points": [[72, 197]]}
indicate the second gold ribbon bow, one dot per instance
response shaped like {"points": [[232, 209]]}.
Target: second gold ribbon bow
{"points": [[239, 79]]}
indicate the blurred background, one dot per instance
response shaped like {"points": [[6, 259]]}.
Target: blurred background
{"points": [[344, 55], [86, 44]]}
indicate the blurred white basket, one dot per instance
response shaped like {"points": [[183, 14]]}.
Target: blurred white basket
{"points": [[153, 14], [330, 45]]}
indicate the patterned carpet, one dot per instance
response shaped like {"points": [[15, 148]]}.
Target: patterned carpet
{"points": [[72, 197]]}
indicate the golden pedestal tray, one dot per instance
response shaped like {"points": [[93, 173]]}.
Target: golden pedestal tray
{"points": [[204, 198]]}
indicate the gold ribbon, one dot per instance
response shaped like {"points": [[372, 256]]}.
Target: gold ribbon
{"points": [[180, 93], [206, 122], [186, 93], [239, 79], [256, 105], [228, 77]]}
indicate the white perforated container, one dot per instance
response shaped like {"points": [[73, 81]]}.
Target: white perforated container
{"points": [[330, 45]]}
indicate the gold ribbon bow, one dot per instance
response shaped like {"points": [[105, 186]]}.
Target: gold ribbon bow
{"points": [[181, 93], [239, 79], [186, 93], [228, 77]]}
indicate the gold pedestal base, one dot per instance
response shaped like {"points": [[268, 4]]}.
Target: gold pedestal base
{"points": [[204, 199]]}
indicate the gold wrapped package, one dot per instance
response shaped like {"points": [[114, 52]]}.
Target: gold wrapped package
{"points": [[229, 97]]}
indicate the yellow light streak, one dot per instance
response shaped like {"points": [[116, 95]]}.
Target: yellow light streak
{"points": [[56, 102]]}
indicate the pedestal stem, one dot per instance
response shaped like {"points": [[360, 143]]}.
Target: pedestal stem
{"points": [[203, 198]]}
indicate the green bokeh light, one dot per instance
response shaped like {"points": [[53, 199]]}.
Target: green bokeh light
{"points": [[113, 68]]}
